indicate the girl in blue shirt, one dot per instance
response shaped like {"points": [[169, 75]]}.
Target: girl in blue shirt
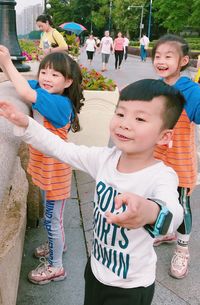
{"points": [[56, 98]]}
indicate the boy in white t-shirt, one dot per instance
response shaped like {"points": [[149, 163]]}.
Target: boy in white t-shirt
{"points": [[122, 266], [106, 47]]}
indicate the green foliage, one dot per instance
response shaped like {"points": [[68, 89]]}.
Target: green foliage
{"points": [[93, 80], [172, 15], [73, 44]]}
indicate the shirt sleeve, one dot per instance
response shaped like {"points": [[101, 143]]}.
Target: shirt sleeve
{"points": [[196, 115], [83, 158], [57, 109]]}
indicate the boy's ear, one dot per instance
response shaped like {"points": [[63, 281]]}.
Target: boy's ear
{"points": [[68, 83], [184, 60], [165, 137]]}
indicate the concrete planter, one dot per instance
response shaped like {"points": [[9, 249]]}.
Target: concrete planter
{"points": [[94, 117]]}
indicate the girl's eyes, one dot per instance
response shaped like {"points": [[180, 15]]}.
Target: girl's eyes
{"points": [[140, 119], [120, 114], [43, 72]]}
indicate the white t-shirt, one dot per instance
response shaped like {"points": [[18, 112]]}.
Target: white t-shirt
{"points": [[144, 41], [106, 45], [120, 257], [126, 42], [90, 45]]}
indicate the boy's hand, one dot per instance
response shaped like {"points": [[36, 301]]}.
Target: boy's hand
{"points": [[12, 114], [139, 212]]}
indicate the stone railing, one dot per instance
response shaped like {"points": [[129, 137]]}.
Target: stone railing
{"points": [[13, 199]]}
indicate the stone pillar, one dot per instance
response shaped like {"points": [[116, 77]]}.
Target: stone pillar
{"points": [[8, 33]]}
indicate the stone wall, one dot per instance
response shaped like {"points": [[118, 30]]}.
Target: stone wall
{"points": [[13, 201], [13, 197]]}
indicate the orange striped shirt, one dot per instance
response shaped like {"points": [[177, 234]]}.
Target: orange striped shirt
{"points": [[48, 173], [182, 156]]}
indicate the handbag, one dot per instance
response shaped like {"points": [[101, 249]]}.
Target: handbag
{"points": [[54, 44]]}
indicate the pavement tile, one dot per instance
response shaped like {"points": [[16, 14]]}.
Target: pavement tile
{"points": [[86, 192], [87, 215]]}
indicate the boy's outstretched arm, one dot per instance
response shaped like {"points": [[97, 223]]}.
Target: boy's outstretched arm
{"points": [[140, 211], [20, 83], [12, 114]]}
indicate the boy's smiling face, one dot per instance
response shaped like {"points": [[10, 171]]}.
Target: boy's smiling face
{"points": [[137, 126]]}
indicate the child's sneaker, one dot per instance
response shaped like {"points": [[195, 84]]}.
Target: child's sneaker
{"points": [[43, 250], [45, 273], [179, 263], [170, 238]]}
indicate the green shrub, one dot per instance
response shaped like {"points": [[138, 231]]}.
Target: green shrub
{"points": [[73, 44]]}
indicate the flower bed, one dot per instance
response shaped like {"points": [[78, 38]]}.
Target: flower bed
{"points": [[93, 80]]}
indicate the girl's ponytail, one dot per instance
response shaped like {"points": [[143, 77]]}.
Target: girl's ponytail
{"points": [[75, 93]]}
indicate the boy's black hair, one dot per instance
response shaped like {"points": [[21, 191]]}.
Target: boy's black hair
{"points": [[181, 44], [147, 89]]}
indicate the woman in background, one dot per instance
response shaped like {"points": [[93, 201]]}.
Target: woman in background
{"points": [[51, 40]]}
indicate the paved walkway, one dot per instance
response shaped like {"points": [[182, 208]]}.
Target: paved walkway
{"points": [[78, 228]]}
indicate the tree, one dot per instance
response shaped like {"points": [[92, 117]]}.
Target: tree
{"points": [[194, 17], [172, 14]]}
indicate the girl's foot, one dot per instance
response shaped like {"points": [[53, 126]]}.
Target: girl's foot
{"points": [[180, 262], [44, 273], [43, 250]]}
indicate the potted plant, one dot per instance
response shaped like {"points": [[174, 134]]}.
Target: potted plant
{"points": [[101, 97]]}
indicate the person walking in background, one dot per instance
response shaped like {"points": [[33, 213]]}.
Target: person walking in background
{"points": [[90, 46], [118, 47], [144, 43], [55, 99], [51, 40], [126, 44], [170, 56], [106, 47], [121, 269]]}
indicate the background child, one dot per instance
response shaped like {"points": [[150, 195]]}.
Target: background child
{"points": [[122, 265], [170, 57], [55, 100]]}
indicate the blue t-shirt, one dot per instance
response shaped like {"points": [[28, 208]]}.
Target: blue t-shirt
{"points": [[57, 109], [191, 93]]}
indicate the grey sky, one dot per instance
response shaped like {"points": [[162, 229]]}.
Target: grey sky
{"points": [[24, 3]]}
